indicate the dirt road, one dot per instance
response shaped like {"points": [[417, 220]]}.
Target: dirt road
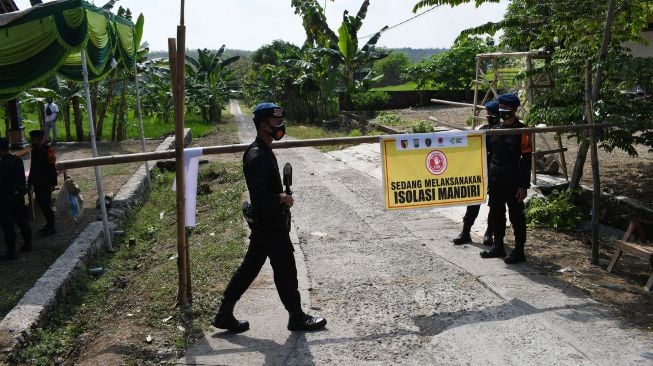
{"points": [[395, 291]]}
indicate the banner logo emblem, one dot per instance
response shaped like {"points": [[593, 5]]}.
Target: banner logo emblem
{"points": [[436, 162]]}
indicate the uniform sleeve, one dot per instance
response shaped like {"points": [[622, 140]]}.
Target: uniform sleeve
{"points": [[265, 201]]}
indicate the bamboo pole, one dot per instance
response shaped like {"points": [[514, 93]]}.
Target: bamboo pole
{"points": [[596, 189], [98, 173], [182, 293], [140, 123], [236, 148], [179, 133]]}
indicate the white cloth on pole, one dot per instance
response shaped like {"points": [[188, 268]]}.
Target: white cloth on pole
{"points": [[191, 168]]}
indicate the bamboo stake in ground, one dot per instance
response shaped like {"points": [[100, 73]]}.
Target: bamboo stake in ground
{"points": [[596, 189], [182, 293]]}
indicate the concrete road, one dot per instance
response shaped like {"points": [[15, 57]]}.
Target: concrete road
{"points": [[397, 292]]}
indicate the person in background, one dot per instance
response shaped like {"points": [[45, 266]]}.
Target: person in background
{"points": [[269, 236], [12, 196], [51, 113], [43, 177], [492, 109], [509, 180]]}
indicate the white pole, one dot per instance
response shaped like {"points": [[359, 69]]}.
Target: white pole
{"points": [[98, 174], [140, 120]]}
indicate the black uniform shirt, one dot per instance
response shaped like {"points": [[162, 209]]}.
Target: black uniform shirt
{"points": [[12, 177], [264, 185], [42, 171], [511, 154]]}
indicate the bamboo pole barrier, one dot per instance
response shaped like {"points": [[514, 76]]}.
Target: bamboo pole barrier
{"points": [[236, 148], [182, 298], [442, 101]]}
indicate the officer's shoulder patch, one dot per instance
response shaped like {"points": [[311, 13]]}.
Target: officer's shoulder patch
{"points": [[526, 143]]}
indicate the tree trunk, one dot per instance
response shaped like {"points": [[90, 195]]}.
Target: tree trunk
{"points": [[79, 127], [114, 123], [581, 156], [205, 116], [102, 113], [214, 113], [122, 113], [65, 110]]}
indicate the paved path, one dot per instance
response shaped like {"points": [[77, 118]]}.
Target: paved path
{"points": [[396, 292]]}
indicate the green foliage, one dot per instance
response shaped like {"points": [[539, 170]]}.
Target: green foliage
{"points": [[355, 133], [409, 86], [369, 100], [389, 119], [391, 68], [423, 127], [556, 211], [456, 68]]}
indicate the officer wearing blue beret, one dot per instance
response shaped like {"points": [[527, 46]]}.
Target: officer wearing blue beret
{"points": [[509, 179], [471, 213], [269, 237]]}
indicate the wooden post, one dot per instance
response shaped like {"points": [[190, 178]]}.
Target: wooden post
{"points": [[474, 110], [596, 189], [182, 293]]}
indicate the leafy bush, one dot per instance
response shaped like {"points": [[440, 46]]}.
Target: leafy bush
{"points": [[555, 211], [369, 100], [389, 119], [423, 127], [355, 133]]}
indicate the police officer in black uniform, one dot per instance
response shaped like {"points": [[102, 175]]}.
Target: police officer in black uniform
{"points": [[12, 196], [492, 109], [43, 177], [269, 237], [509, 179]]}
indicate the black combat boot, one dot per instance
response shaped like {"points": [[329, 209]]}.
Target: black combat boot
{"points": [[487, 239], [517, 255], [496, 251], [225, 319], [464, 237], [301, 321]]}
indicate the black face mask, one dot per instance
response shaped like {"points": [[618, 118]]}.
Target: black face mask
{"points": [[492, 120], [506, 114], [278, 131]]}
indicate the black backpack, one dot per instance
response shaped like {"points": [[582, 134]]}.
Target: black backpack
{"points": [[48, 111]]}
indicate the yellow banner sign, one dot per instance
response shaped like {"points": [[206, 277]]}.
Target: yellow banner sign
{"points": [[434, 169]]}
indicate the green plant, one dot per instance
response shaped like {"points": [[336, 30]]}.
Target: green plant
{"points": [[369, 100], [556, 211], [422, 127], [355, 133], [389, 119]]}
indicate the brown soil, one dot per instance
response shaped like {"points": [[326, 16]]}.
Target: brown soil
{"points": [[566, 255]]}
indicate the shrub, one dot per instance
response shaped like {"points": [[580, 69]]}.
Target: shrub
{"points": [[556, 211], [423, 127], [389, 119], [355, 133], [369, 100]]}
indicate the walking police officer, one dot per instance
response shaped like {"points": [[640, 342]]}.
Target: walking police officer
{"points": [[269, 237], [492, 109], [509, 179], [12, 196], [43, 177]]}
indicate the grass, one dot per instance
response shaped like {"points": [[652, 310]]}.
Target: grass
{"points": [[95, 306], [306, 132], [409, 86], [152, 127]]}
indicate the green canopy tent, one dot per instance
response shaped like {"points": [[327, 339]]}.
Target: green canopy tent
{"points": [[71, 38]]}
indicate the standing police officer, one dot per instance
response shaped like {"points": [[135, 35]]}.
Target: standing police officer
{"points": [[269, 236], [509, 179], [43, 177], [12, 196], [492, 109]]}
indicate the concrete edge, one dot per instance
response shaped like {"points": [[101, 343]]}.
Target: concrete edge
{"points": [[38, 303]]}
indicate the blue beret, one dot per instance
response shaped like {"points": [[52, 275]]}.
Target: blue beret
{"points": [[4, 144], [264, 110], [511, 100], [36, 133], [492, 106]]}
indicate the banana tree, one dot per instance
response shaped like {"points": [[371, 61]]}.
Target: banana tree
{"points": [[210, 79]]}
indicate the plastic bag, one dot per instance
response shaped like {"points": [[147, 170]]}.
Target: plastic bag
{"points": [[70, 202]]}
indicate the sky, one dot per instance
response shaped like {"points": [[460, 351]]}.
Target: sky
{"points": [[249, 24]]}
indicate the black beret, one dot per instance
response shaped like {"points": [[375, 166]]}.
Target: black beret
{"points": [[511, 100], [36, 133]]}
